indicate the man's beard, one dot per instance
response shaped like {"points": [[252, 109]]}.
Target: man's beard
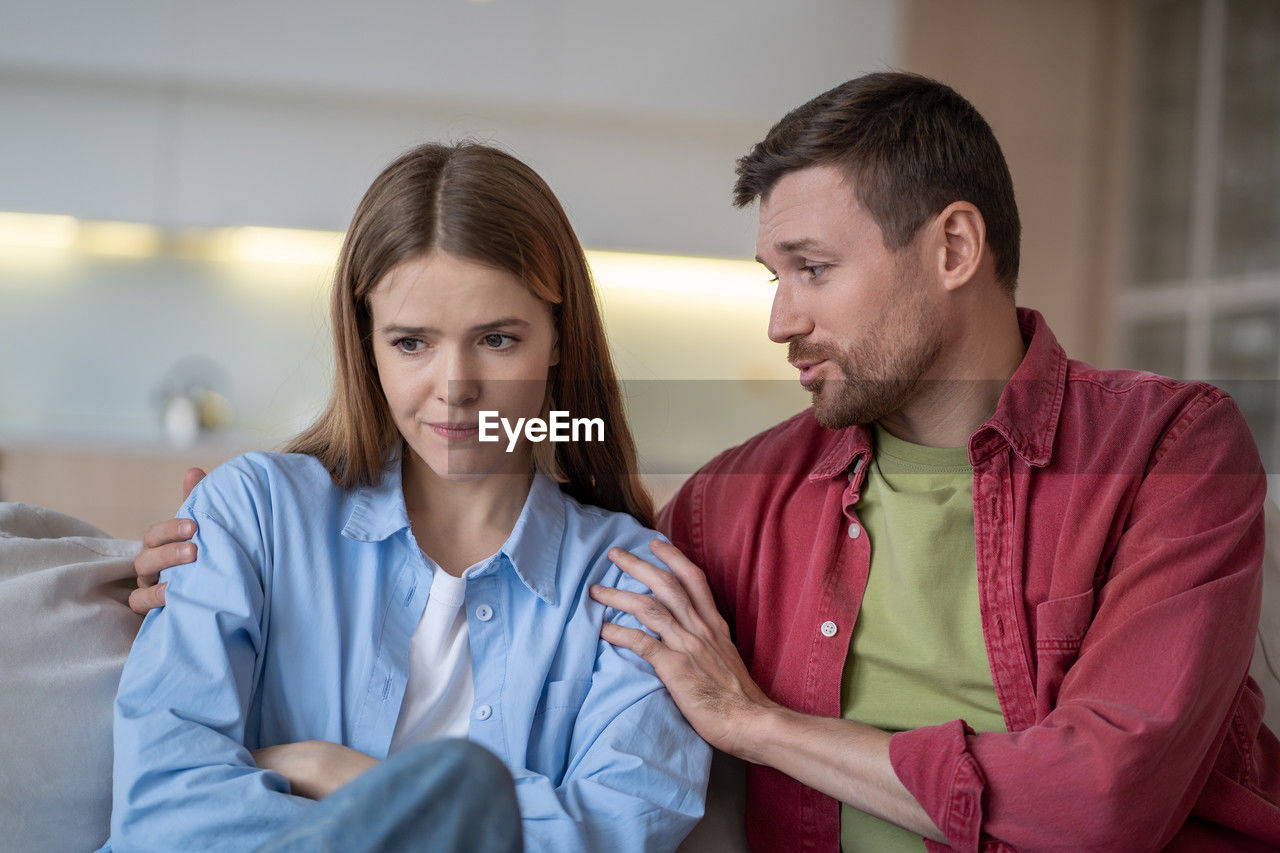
{"points": [[882, 371]]}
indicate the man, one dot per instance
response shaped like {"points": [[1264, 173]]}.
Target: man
{"points": [[979, 594], [967, 528]]}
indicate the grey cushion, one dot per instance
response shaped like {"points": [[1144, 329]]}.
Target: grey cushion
{"points": [[65, 630]]}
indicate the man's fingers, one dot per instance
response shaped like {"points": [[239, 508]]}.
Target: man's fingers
{"points": [[148, 598], [169, 530], [692, 579], [666, 586], [189, 480], [151, 561], [651, 613], [647, 646]]}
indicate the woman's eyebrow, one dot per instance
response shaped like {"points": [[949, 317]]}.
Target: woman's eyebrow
{"points": [[502, 322]]}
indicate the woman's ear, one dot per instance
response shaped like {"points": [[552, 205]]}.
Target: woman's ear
{"points": [[555, 349], [964, 242]]}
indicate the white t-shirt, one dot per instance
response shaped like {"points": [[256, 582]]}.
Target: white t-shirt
{"points": [[439, 691]]}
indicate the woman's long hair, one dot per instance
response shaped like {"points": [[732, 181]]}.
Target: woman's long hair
{"points": [[482, 205]]}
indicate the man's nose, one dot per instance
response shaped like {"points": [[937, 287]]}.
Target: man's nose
{"points": [[786, 320]]}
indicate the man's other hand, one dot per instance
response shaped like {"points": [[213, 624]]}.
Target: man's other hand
{"points": [[164, 544]]}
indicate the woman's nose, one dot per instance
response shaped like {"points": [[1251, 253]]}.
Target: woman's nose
{"points": [[458, 383]]}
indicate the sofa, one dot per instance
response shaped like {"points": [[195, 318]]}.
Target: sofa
{"points": [[65, 630]]}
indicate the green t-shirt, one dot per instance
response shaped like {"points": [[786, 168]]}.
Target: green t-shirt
{"points": [[917, 655]]}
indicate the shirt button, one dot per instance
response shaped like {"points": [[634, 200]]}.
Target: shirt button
{"points": [[484, 613], [828, 628], [854, 530], [484, 712]]}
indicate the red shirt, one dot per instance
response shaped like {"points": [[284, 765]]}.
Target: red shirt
{"points": [[1119, 533]]}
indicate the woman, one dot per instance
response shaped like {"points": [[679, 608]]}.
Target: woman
{"points": [[392, 579]]}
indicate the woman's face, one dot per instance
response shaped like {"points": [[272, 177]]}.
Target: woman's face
{"points": [[452, 338]]}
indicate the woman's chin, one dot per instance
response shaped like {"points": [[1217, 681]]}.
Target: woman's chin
{"points": [[470, 464]]}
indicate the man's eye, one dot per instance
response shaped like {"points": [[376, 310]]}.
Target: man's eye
{"points": [[813, 270]]}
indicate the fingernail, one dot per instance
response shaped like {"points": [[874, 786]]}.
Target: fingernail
{"points": [[186, 528], [189, 552]]}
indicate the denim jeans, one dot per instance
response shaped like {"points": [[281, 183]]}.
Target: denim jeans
{"points": [[447, 795]]}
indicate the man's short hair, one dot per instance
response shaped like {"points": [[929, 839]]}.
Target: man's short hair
{"points": [[909, 145]]}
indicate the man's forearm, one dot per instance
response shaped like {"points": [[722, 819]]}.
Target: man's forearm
{"points": [[841, 758]]}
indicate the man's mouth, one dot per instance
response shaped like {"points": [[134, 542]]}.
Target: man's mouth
{"points": [[808, 370]]}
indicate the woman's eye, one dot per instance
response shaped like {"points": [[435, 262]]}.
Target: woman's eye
{"points": [[410, 345], [493, 340]]}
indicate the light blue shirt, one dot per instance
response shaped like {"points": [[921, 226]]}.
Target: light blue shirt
{"points": [[294, 624]]}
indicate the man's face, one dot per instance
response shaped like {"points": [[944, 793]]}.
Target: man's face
{"points": [[861, 322]]}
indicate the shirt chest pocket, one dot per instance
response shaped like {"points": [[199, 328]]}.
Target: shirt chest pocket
{"points": [[1060, 627], [551, 735]]}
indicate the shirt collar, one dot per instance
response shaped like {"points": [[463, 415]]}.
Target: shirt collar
{"points": [[532, 549], [378, 511], [1026, 416], [845, 445]]}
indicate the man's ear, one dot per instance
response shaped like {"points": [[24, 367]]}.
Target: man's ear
{"points": [[963, 243]]}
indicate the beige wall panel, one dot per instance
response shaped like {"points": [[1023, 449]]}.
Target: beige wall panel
{"points": [[1047, 75]]}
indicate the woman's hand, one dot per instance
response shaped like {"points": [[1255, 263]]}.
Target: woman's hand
{"points": [[314, 768], [165, 544]]}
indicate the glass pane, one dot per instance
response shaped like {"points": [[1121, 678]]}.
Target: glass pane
{"points": [[1244, 359], [1248, 226], [1159, 346], [1170, 53]]}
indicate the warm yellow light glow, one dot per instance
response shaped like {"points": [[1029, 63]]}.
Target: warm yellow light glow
{"points": [[696, 281], [253, 244], [38, 230], [122, 239], [739, 282]]}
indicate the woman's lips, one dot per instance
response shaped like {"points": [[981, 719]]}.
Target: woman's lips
{"points": [[455, 432]]}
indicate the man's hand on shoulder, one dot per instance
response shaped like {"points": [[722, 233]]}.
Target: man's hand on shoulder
{"points": [[693, 653], [165, 544]]}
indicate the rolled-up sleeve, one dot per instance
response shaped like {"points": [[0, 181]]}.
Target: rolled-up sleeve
{"points": [[1141, 714], [183, 778]]}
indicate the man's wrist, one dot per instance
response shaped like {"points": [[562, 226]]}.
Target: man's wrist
{"points": [[762, 731]]}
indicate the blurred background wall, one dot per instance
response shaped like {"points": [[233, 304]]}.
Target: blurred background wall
{"points": [[152, 138]]}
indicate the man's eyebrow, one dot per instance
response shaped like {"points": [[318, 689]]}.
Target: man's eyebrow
{"points": [[795, 247], [500, 323]]}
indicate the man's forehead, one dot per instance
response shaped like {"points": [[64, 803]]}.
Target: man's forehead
{"points": [[805, 208]]}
